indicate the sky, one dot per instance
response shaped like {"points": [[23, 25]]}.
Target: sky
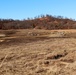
{"points": [[23, 9]]}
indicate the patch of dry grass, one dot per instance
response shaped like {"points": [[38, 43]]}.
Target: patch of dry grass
{"points": [[38, 52]]}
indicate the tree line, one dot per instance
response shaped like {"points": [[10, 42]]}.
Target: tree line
{"points": [[41, 22]]}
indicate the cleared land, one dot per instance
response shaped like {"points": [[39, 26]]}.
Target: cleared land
{"points": [[37, 52]]}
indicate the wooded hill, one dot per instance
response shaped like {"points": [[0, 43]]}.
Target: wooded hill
{"points": [[42, 22]]}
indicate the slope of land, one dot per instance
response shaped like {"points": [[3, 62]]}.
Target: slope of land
{"points": [[37, 52], [47, 22]]}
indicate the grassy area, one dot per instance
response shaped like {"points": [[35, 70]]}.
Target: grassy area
{"points": [[38, 52]]}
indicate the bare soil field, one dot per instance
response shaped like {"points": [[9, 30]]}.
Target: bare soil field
{"points": [[37, 52]]}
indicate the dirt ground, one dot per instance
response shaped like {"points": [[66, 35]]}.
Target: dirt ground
{"points": [[37, 52]]}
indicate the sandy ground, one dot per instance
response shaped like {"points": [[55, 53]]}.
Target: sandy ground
{"points": [[38, 52]]}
